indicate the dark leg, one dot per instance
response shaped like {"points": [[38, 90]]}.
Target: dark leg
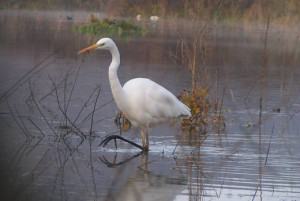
{"points": [[114, 137]]}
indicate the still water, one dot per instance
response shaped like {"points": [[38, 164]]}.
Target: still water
{"points": [[43, 80]]}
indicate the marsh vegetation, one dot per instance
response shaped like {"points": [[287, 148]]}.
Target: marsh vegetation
{"points": [[110, 27], [283, 11]]}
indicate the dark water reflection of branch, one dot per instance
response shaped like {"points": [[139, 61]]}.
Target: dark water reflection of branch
{"points": [[38, 108], [115, 164], [24, 130], [92, 169], [19, 155], [38, 128], [27, 75], [34, 174], [62, 152]]}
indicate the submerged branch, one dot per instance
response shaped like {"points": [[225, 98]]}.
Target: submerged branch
{"points": [[60, 108]]}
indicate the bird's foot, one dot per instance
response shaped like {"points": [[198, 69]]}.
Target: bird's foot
{"points": [[114, 137]]}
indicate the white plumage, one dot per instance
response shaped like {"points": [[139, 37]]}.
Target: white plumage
{"points": [[143, 101], [150, 103]]}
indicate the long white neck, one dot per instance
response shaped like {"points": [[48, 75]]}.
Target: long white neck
{"points": [[115, 85]]}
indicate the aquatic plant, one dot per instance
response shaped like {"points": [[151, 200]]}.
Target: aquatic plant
{"points": [[109, 27], [205, 112], [192, 51], [122, 121]]}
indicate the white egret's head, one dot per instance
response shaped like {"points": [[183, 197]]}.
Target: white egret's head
{"points": [[102, 44]]}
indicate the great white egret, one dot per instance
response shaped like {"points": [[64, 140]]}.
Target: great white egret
{"points": [[143, 101]]}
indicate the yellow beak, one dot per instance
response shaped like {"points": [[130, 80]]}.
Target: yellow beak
{"points": [[88, 48]]}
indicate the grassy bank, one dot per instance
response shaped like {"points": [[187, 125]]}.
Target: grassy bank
{"points": [[108, 27], [282, 11]]}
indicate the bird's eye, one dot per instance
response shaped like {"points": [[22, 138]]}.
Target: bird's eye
{"points": [[102, 44]]}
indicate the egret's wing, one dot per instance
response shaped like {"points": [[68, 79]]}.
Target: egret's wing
{"points": [[150, 102], [163, 104]]}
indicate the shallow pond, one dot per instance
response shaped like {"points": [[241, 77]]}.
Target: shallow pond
{"points": [[42, 78]]}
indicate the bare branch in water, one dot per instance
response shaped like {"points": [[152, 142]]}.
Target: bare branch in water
{"points": [[37, 106], [81, 134], [89, 115], [93, 112], [85, 104], [75, 80], [18, 123], [26, 76], [58, 85], [34, 124], [22, 122], [262, 78], [265, 164]]}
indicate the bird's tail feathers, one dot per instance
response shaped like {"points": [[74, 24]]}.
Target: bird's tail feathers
{"points": [[185, 111]]}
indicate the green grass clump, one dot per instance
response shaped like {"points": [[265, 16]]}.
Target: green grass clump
{"points": [[108, 27]]}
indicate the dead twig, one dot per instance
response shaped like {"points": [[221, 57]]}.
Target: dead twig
{"points": [[17, 122], [75, 80], [84, 105], [37, 106], [36, 127], [15, 86], [265, 164], [22, 122], [93, 112], [89, 115], [58, 85], [81, 134]]}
